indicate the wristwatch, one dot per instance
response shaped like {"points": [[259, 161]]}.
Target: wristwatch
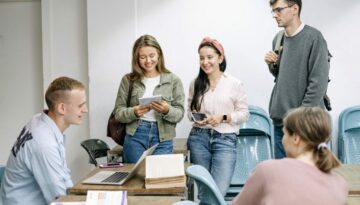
{"points": [[224, 118]]}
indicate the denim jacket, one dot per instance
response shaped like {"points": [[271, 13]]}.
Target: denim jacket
{"points": [[172, 92]]}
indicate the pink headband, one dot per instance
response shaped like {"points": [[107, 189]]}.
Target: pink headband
{"points": [[214, 42]]}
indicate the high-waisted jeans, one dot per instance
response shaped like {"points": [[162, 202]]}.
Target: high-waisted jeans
{"points": [[146, 135], [216, 152]]}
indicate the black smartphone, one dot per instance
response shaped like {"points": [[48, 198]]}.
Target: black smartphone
{"points": [[198, 116]]}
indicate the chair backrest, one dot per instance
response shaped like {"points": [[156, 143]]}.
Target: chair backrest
{"points": [[206, 183], [254, 146], [350, 147], [251, 151], [349, 135], [349, 119], [2, 170], [95, 148], [258, 121]]}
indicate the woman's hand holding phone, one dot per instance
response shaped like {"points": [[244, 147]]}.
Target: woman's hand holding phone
{"points": [[214, 120], [199, 118], [202, 119]]}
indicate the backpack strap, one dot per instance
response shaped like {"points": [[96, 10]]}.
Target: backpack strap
{"points": [[279, 40], [274, 68]]}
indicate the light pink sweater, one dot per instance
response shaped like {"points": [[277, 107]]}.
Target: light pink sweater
{"points": [[292, 182], [229, 97]]}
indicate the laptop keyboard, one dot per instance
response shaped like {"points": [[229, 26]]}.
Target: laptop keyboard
{"points": [[116, 177]]}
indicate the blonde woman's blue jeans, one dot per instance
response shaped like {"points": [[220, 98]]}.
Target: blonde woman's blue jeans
{"points": [[146, 135]]}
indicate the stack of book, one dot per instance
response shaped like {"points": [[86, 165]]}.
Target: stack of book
{"points": [[164, 171]]}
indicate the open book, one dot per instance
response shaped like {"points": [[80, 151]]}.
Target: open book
{"points": [[164, 171]]}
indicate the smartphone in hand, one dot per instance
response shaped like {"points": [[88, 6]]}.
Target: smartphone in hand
{"points": [[111, 165], [198, 116]]}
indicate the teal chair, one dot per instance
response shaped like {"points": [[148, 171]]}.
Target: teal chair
{"points": [[258, 121], [349, 135], [2, 170], [254, 146], [206, 183]]}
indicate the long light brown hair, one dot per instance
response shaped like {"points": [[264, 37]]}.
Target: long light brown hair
{"points": [[143, 41]]}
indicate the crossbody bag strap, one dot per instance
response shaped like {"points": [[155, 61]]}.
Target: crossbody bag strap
{"points": [[129, 93]]}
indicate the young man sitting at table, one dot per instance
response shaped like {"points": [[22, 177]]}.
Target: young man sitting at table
{"points": [[36, 171]]}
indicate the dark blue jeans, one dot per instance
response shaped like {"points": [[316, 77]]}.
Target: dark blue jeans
{"points": [[146, 135], [216, 152], [279, 150]]}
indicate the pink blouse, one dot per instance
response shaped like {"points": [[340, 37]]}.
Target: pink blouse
{"points": [[228, 97]]}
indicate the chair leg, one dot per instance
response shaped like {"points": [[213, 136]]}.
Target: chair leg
{"points": [[190, 189]]}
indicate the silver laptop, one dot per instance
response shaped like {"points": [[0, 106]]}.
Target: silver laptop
{"points": [[118, 177]]}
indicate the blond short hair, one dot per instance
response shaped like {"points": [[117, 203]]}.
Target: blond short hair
{"points": [[58, 88]]}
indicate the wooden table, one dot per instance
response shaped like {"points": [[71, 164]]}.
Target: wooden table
{"points": [[353, 200], [351, 173], [131, 200], [179, 147], [135, 185]]}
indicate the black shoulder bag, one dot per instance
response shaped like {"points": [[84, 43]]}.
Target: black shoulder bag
{"points": [[115, 129]]}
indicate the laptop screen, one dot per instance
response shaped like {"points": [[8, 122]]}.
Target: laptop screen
{"points": [[138, 169]]}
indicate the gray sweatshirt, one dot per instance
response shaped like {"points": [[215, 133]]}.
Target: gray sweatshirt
{"points": [[303, 74]]}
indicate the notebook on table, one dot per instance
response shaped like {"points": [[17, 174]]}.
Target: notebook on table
{"points": [[118, 177]]}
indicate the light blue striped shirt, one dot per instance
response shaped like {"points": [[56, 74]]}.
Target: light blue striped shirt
{"points": [[36, 171]]}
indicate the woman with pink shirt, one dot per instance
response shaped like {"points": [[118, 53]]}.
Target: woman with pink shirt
{"points": [[305, 177], [221, 97]]}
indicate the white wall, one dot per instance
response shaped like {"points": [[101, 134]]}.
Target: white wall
{"points": [[337, 21], [244, 27], [65, 54], [39, 41], [110, 37], [20, 69]]}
